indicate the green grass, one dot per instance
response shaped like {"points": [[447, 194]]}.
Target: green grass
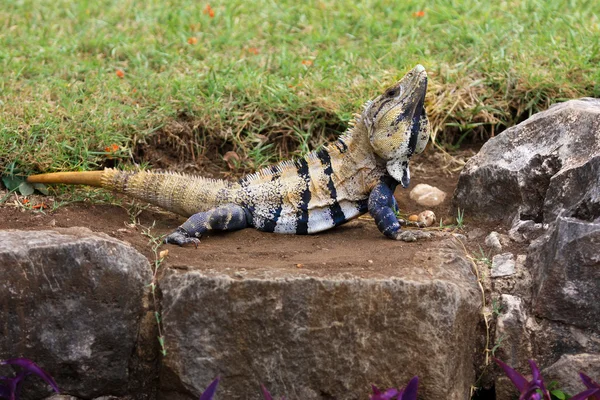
{"points": [[245, 84]]}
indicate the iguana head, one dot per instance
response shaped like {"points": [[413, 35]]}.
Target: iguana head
{"points": [[397, 124]]}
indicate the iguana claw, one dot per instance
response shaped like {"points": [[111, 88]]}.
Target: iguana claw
{"points": [[416, 224], [411, 236], [180, 237]]}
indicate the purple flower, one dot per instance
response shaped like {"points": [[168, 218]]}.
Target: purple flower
{"points": [[535, 389], [593, 388], [210, 390], [530, 390], [11, 387], [266, 393], [408, 393]]}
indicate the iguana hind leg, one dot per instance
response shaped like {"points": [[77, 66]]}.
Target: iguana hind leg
{"points": [[228, 217]]}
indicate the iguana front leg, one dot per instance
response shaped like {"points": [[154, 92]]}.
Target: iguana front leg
{"points": [[383, 208], [229, 217]]}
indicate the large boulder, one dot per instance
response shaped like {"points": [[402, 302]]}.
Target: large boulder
{"points": [[544, 167], [72, 301], [324, 334], [543, 175], [565, 267]]}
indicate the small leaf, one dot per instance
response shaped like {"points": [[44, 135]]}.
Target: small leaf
{"points": [[410, 392], [591, 393], [12, 182], [265, 392], [558, 394], [210, 390], [26, 189], [587, 381], [516, 378], [40, 187], [31, 367]]}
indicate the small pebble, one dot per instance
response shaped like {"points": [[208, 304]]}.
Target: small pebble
{"points": [[370, 261], [493, 241], [427, 217], [413, 218]]}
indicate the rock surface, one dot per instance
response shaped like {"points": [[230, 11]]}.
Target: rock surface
{"points": [[566, 371], [72, 301], [565, 266], [314, 337], [543, 178], [534, 167]]}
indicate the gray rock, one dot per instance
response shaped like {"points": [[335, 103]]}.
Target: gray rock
{"points": [[323, 336], [493, 240], [537, 168], [554, 339], [566, 371], [72, 301], [575, 191], [565, 266], [503, 265], [517, 284], [522, 231], [512, 332], [475, 233]]}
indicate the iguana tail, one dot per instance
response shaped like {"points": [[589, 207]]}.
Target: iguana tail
{"points": [[181, 194]]}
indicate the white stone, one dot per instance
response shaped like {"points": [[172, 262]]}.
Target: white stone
{"points": [[427, 195], [503, 265]]}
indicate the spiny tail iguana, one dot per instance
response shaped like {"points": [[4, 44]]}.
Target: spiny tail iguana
{"points": [[326, 188]]}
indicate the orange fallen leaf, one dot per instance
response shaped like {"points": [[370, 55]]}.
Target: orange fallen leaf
{"points": [[419, 14], [208, 10], [308, 63], [25, 201], [120, 73], [113, 148], [192, 40], [253, 50], [40, 206]]}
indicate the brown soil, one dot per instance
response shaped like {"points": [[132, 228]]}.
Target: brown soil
{"points": [[356, 248]]}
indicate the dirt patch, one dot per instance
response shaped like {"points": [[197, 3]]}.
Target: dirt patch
{"points": [[357, 247]]}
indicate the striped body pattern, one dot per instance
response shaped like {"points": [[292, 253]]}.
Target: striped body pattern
{"points": [[326, 188], [309, 195]]}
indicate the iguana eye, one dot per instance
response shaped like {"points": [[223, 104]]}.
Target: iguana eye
{"points": [[392, 92]]}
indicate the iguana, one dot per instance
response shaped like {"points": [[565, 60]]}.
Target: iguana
{"points": [[326, 188]]}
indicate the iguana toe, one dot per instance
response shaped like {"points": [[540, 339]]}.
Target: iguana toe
{"points": [[181, 238], [411, 236], [416, 224]]}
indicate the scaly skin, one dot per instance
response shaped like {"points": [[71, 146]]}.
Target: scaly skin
{"points": [[326, 188]]}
